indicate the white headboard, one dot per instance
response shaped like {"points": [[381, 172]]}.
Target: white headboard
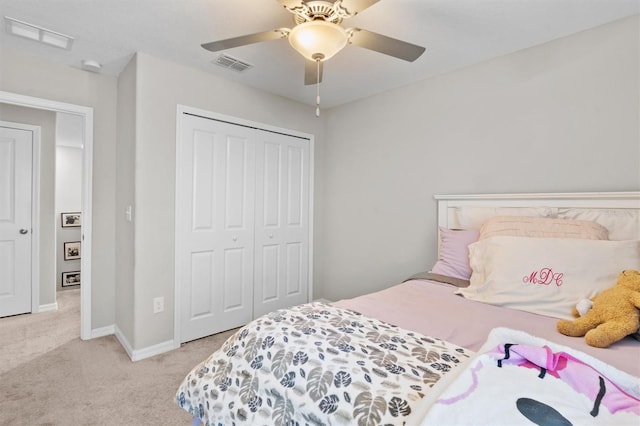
{"points": [[449, 205]]}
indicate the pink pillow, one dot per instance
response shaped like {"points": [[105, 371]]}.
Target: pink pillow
{"points": [[453, 256]]}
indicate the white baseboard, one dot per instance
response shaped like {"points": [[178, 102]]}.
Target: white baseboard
{"points": [[123, 341], [48, 307], [102, 331], [322, 300], [148, 352], [140, 354]]}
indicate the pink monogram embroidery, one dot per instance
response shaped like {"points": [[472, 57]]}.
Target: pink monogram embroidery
{"points": [[544, 276]]}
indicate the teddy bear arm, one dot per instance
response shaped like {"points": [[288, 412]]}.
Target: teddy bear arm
{"points": [[635, 299]]}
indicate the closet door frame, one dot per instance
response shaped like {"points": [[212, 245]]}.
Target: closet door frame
{"points": [[183, 110]]}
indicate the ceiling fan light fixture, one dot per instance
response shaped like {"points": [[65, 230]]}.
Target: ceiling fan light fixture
{"points": [[318, 40]]}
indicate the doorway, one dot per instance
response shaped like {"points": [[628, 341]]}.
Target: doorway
{"points": [[68, 202], [86, 113]]}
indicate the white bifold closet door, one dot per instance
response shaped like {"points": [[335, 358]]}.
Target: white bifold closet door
{"points": [[282, 222], [244, 224]]}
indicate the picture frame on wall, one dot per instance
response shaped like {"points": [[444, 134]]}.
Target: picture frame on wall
{"points": [[71, 278], [71, 220], [72, 250]]}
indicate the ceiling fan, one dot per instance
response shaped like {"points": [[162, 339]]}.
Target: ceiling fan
{"points": [[318, 35]]}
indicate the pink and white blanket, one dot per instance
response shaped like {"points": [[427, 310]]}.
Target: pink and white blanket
{"points": [[517, 378]]}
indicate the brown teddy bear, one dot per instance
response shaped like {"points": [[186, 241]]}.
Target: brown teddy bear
{"points": [[615, 313]]}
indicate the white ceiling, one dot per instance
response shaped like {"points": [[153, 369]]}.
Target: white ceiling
{"points": [[456, 33]]}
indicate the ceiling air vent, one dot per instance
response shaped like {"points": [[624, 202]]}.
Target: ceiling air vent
{"points": [[230, 62]]}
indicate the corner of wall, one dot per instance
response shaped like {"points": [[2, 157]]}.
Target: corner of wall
{"points": [[124, 202]]}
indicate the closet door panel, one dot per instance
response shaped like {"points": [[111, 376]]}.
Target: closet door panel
{"points": [[295, 268], [201, 300], [203, 182], [271, 178], [270, 272], [282, 209], [238, 185], [295, 181], [236, 269], [216, 192]]}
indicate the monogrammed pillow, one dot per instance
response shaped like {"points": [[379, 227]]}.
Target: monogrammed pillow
{"points": [[546, 276]]}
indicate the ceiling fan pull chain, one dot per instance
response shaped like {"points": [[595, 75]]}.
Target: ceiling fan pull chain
{"points": [[317, 87]]}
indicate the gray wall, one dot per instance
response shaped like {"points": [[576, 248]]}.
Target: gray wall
{"points": [[30, 76], [562, 116], [47, 122]]}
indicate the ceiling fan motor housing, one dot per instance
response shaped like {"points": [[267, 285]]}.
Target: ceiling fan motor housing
{"points": [[319, 9]]}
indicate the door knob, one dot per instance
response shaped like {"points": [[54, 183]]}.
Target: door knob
{"points": [[24, 231]]}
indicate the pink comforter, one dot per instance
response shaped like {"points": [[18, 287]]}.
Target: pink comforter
{"points": [[433, 309]]}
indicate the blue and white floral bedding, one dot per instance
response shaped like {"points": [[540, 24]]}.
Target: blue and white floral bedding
{"points": [[316, 364]]}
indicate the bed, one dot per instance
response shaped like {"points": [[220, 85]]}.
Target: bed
{"points": [[471, 340]]}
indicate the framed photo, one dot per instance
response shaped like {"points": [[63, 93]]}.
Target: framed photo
{"points": [[72, 250], [70, 220], [70, 278]]}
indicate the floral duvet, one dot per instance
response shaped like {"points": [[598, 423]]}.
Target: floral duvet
{"points": [[316, 364]]}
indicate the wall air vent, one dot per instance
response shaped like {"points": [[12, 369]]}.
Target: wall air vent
{"points": [[232, 63]]}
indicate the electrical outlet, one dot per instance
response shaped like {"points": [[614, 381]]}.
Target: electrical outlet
{"points": [[158, 305]]}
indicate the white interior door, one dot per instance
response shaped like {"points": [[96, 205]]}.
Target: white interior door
{"points": [[281, 276], [216, 195], [16, 150]]}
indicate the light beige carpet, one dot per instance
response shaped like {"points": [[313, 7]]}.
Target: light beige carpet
{"points": [[68, 381], [24, 337]]}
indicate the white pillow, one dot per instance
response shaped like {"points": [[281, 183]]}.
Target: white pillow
{"points": [[470, 217], [546, 276], [623, 224], [542, 227]]}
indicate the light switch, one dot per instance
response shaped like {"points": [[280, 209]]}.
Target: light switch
{"points": [[127, 214]]}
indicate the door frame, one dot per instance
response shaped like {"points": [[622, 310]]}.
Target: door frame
{"points": [[87, 180], [35, 208], [180, 111]]}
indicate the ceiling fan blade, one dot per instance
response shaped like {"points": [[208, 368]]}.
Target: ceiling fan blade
{"points": [[311, 72], [387, 45], [229, 43], [297, 7], [357, 6], [290, 4]]}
